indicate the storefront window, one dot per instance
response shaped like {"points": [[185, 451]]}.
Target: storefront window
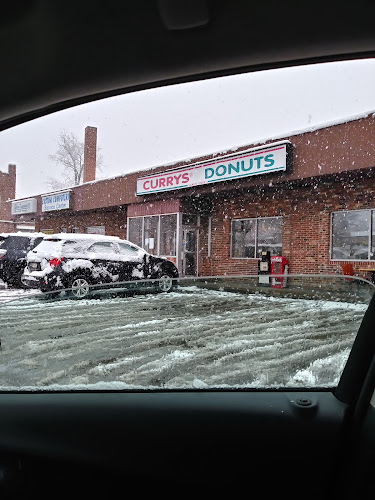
{"points": [[351, 235], [168, 229], [135, 227], [156, 233], [251, 236], [269, 235], [243, 238], [151, 234]]}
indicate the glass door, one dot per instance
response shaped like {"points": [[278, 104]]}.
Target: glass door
{"points": [[189, 266]]}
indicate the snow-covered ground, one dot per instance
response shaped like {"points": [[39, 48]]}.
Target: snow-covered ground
{"points": [[8, 294], [191, 338]]}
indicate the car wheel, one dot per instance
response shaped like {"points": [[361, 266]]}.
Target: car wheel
{"points": [[79, 287], [166, 283]]}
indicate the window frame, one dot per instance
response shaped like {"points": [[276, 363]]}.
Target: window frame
{"points": [[143, 217], [256, 219], [105, 244], [131, 247], [371, 243]]}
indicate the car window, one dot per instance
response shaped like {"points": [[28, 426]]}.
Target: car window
{"points": [[206, 235], [74, 247], [127, 249], [47, 248], [16, 243], [34, 242], [103, 248]]}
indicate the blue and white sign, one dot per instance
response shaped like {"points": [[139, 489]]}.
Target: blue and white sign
{"points": [[24, 206], [255, 161], [58, 201]]}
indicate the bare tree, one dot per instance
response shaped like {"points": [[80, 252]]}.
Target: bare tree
{"points": [[70, 155]]}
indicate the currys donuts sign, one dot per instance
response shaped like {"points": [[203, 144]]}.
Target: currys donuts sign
{"points": [[262, 160]]}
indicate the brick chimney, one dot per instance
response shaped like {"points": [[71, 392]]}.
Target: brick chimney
{"points": [[12, 169], [7, 192], [89, 154]]}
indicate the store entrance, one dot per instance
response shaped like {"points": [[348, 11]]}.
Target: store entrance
{"points": [[189, 252]]}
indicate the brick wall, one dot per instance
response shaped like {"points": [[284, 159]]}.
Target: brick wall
{"points": [[7, 227], [113, 220], [306, 212]]}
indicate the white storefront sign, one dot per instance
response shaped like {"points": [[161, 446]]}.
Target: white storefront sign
{"points": [[255, 161], [55, 202], [24, 206]]}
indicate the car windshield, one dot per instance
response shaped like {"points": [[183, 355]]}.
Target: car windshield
{"points": [[16, 243], [207, 235]]}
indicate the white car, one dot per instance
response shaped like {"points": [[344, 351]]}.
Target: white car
{"points": [[82, 263]]}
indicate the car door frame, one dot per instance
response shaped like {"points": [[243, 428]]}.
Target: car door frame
{"points": [[111, 266], [128, 267]]}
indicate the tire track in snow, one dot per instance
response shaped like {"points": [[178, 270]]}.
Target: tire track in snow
{"points": [[172, 340]]}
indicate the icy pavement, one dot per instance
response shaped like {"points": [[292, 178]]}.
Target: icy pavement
{"points": [[191, 338], [7, 294]]}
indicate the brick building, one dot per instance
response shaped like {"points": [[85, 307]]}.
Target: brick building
{"points": [[308, 197], [7, 192]]}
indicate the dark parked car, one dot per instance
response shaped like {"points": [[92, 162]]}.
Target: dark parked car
{"points": [[83, 263], [13, 251]]}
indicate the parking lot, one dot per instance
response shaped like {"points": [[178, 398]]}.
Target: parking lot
{"points": [[193, 337]]}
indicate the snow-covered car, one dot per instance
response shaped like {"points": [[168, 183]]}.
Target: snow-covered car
{"points": [[13, 251], [83, 263]]}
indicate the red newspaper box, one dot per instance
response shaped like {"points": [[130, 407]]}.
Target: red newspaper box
{"points": [[279, 266]]}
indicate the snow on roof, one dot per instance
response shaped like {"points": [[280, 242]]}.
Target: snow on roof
{"points": [[186, 161], [81, 236], [24, 233], [279, 137]]}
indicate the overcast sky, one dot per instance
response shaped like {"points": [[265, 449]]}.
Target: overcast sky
{"points": [[157, 127]]}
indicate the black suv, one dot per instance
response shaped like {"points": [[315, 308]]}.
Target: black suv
{"points": [[79, 264], [13, 251]]}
